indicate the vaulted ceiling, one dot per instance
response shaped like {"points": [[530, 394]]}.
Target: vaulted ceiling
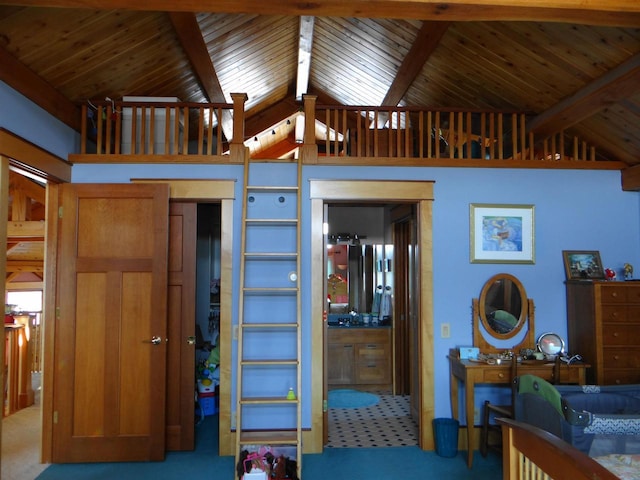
{"points": [[570, 64]]}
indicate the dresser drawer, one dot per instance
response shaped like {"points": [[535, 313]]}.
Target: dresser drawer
{"points": [[621, 358], [497, 374], [621, 313], [620, 334], [614, 376], [613, 293], [366, 352]]}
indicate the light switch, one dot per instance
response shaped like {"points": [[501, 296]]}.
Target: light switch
{"points": [[445, 330]]}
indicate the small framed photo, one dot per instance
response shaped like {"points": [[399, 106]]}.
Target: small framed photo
{"points": [[583, 265], [502, 233]]}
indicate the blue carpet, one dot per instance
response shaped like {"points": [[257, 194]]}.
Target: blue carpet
{"points": [[392, 463], [346, 398]]}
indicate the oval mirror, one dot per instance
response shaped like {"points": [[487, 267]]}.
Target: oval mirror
{"points": [[503, 306]]}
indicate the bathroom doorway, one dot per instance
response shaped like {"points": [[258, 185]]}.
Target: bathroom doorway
{"points": [[370, 272], [420, 195]]}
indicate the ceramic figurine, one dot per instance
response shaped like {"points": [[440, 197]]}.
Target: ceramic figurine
{"points": [[628, 271], [610, 274]]}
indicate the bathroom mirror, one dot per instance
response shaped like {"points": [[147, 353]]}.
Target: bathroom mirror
{"points": [[503, 312]]}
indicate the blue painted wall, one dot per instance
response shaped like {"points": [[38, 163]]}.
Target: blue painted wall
{"points": [[27, 120], [574, 210]]}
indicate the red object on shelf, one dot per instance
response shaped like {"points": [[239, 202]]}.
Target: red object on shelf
{"points": [[8, 318]]}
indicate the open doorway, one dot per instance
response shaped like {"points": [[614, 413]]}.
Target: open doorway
{"points": [[420, 194], [372, 328]]}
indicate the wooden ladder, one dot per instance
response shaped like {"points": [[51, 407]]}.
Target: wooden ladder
{"points": [[268, 386]]}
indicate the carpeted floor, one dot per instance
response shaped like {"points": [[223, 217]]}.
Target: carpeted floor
{"points": [[385, 424]]}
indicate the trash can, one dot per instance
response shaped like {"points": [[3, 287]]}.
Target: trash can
{"points": [[446, 436]]}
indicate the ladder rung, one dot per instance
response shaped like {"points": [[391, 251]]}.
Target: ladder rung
{"points": [[267, 401], [281, 361], [270, 255], [274, 437], [271, 221], [270, 325], [271, 188], [273, 290]]}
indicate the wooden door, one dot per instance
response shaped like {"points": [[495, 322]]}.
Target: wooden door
{"points": [[110, 326], [181, 321]]}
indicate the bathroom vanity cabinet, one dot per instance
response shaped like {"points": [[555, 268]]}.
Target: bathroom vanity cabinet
{"points": [[359, 357]]}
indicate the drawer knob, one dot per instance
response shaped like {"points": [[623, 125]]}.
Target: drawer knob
{"points": [[615, 334], [501, 375], [616, 357]]}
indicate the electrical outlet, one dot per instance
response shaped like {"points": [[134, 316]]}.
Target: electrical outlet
{"points": [[235, 332], [476, 416], [445, 330]]}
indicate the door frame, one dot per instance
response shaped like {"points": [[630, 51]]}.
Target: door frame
{"points": [[214, 191], [379, 191]]}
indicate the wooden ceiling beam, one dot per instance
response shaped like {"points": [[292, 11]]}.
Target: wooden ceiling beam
{"points": [[305, 43], [190, 37], [426, 42], [424, 45], [23, 230], [22, 79], [31, 188], [617, 84], [36, 266], [593, 12], [281, 149], [267, 118]]}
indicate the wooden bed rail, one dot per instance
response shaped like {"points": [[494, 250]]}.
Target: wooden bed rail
{"points": [[530, 453]]}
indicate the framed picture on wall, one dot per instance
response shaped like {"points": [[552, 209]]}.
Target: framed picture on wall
{"points": [[583, 265], [502, 233]]}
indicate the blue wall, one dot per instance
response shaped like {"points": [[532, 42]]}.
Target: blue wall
{"points": [[574, 210], [27, 120]]}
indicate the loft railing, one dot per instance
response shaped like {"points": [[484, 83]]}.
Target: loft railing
{"points": [[440, 134], [153, 128], [339, 135]]}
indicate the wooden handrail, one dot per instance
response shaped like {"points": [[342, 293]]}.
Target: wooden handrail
{"points": [[189, 132]]}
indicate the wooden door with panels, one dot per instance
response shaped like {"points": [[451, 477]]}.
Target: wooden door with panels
{"points": [[181, 326], [111, 311]]}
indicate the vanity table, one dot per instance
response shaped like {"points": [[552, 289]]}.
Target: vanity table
{"points": [[471, 373], [501, 315]]}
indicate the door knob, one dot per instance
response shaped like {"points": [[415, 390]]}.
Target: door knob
{"points": [[155, 340]]}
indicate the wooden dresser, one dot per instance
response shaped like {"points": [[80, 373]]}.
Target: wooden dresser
{"points": [[604, 327], [359, 357]]}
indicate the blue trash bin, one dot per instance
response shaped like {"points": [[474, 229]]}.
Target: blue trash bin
{"points": [[446, 436]]}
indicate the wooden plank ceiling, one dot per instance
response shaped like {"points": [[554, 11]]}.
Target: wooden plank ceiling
{"points": [[565, 63], [570, 64]]}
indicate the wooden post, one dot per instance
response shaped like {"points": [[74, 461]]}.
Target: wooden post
{"points": [[309, 149], [237, 149]]}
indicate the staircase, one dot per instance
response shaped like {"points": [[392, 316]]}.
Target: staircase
{"points": [[268, 407]]}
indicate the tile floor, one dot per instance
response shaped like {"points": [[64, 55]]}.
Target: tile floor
{"points": [[387, 424]]}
